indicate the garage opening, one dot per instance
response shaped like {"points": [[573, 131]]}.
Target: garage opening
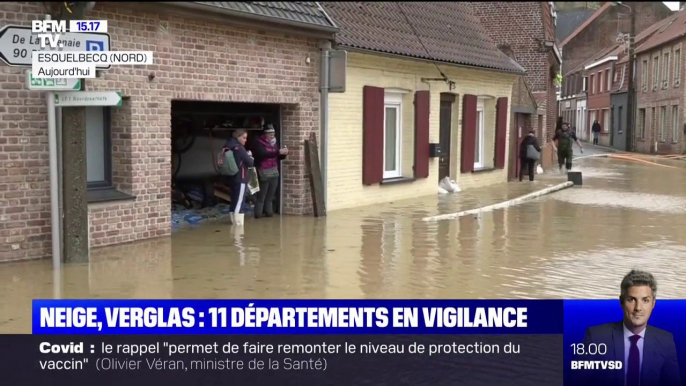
{"points": [[199, 130]]}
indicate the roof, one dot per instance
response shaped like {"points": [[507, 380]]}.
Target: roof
{"points": [[586, 23], [603, 53], [671, 28], [437, 31], [303, 13], [568, 22]]}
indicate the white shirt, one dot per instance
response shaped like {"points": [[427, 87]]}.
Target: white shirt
{"points": [[627, 347]]}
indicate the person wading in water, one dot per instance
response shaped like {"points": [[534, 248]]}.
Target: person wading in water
{"points": [[529, 154], [565, 139]]}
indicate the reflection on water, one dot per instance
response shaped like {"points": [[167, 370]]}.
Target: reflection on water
{"points": [[575, 244]]}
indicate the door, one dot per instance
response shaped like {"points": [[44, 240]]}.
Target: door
{"points": [[445, 134], [515, 134]]}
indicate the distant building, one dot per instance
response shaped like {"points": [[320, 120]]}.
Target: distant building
{"points": [[526, 31], [660, 90], [603, 28]]}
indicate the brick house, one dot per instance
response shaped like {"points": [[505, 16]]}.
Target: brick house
{"points": [[603, 27], [599, 75], [527, 31], [219, 52], [660, 90], [418, 74]]}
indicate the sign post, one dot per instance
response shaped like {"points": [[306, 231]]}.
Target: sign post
{"points": [[88, 98]]}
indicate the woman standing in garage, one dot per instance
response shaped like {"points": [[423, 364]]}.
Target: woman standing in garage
{"points": [[239, 181], [267, 154]]}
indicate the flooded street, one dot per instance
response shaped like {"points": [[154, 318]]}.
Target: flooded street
{"points": [[576, 243]]}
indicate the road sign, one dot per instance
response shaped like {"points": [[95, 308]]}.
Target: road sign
{"points": [[88, 98], [47, 84], [17, 43]]}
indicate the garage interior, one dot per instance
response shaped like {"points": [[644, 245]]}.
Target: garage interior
{"points": [[199, 130]]}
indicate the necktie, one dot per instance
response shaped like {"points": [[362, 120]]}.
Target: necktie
{"points": [[634, 369]]}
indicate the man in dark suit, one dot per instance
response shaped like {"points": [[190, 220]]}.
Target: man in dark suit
{"points": [[648, 353]]}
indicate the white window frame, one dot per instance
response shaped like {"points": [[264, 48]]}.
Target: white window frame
{"points": [[675, 123], [677, 65], [600, 81], [480, 134], [663, 123], [592, 79], [608, 75], [585, 83], [642, 123], [394, 100], [666, 70], [656, 71], [646, 74]]}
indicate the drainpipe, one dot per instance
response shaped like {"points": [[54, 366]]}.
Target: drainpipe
{"points": [[325, 46]]}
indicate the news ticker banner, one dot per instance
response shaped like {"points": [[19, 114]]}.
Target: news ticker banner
{"points": [[63, 50], [466, 342]]}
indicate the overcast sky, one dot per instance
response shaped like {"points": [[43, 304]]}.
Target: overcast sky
{"points": [[673, 5]]}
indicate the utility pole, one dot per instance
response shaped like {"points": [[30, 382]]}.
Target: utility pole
{"points": [[631, 92]]}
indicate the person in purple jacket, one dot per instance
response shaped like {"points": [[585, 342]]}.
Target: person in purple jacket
{"points": [[239, 182], [267, 153]]}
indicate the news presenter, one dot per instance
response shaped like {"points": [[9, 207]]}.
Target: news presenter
{"points": [[648, 353]]}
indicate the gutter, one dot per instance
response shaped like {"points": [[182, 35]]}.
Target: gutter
{"points": [[325, 46], [405, 57], [607, 59], [250, 16]]}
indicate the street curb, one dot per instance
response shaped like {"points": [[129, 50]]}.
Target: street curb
{"points": [[501, 205]]}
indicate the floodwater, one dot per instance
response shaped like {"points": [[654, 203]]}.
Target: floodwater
{"points": [[576, 243]]}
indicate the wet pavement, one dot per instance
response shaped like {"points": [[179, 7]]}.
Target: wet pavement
{"points": [[577, 243]]}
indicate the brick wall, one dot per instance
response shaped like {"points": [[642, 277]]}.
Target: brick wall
{"points": [[600, 101], [519, 26], [196, 60], [524, 26], [664, 96]]}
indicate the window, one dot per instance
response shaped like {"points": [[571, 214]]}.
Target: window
{"points": [[642, 123], [392, 135], [663, 124], [665, 71], [653, 123], [675, 124], [480, 136], [677, 66], [592, 84], [609, 80], [600, 81], [585, 84], [644, 81], [606, 120], [656, 71], [98, 148]]}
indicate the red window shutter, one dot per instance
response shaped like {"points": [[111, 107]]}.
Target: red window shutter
{"points": [[468, 147], [500, 132], [421, 134], [372, 140]]}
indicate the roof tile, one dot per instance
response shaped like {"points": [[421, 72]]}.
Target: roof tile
{"points": [[449, 30], [674, 28], [305, 12]]}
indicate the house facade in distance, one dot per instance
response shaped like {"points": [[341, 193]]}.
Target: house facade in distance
{"points": [[413, 81]]}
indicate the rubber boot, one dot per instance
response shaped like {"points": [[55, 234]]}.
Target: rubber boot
{"points": [[232, 218], [240, 219]]}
